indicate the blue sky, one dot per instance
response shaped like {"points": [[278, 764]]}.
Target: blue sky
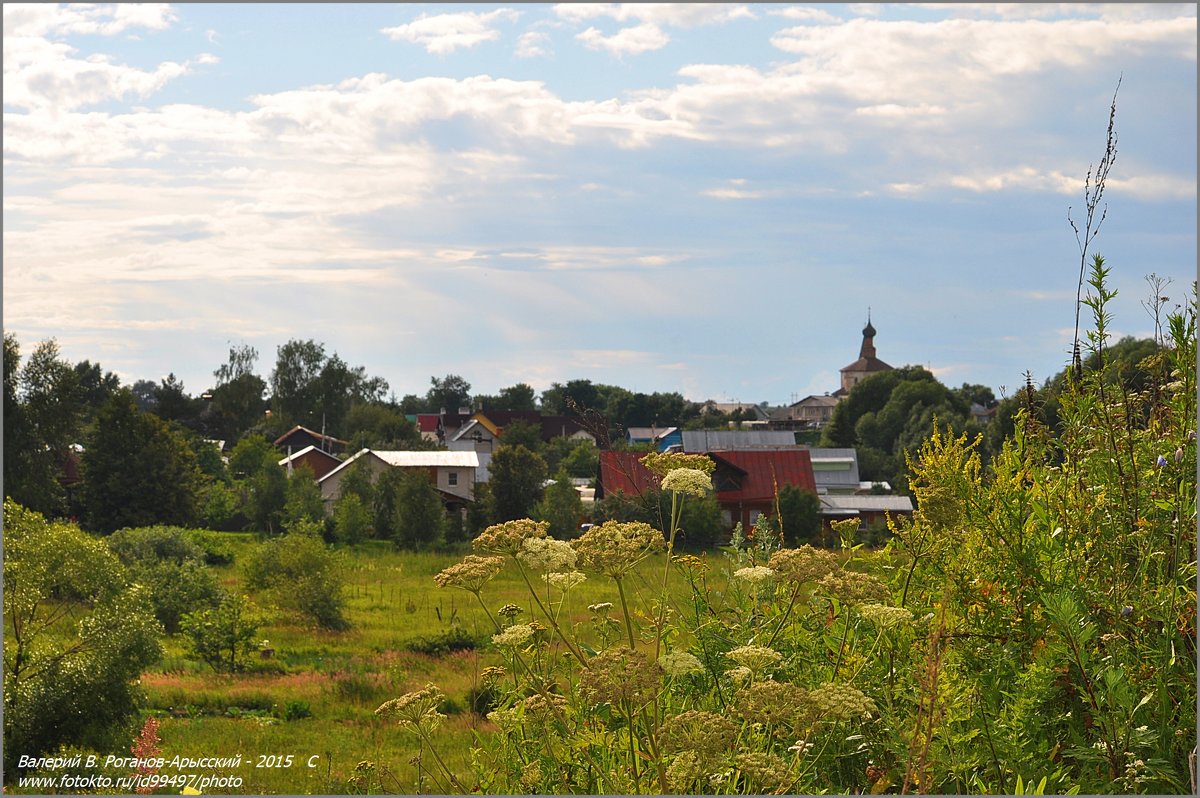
{"points": [[695, 198]]}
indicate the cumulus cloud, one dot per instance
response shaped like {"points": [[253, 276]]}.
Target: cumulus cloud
{"points": [[804, 14], [54, 19], [39, 73], [627, 41], [681, 15], [532, 44], [445, 33]]}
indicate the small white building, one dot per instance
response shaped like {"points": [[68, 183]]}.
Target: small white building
{"points": [[452, 473]]}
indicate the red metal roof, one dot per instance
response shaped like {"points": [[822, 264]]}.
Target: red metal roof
{"points": [[427, 422], [762, 472], [756, 473]]}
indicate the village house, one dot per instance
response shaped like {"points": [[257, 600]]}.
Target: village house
{"points": [[744, 482], [299, 437], [451, 473], [319, 462], [484, 430]]}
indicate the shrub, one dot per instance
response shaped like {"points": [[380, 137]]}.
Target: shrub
{"points": [[296, 709], [453, 639], [299, 572], [214, 547], [171, 565]]}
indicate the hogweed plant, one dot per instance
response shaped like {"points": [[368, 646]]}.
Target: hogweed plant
{"points": [[1030, 627]]}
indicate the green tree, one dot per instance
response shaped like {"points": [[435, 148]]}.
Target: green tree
{"points": [[76, 638], [249, 456], [420, 520], [351, 519], [799, 515], [294, 382], [173, 403], [522, 433], [378, 426], [303, 498], [95, 387], [222, 635], [137, 470], [237, 402], [268, 495], [384, 507], [43, 399], [449, 394], [359, 480], [561, 507], [579, 457], [517, 397], [517, 475]]}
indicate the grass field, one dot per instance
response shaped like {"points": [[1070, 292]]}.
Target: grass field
{"points": [[314, 698]]}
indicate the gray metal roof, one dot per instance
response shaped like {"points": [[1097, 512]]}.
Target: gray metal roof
{"points": [[708, 440], [835, 467], [876, 504]]}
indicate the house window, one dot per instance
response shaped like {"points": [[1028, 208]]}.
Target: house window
{"points": [[452, 479]]}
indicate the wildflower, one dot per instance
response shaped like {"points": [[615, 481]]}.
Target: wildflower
{"points": [[471, 574], [756, 658], [600, 609], [417, 710], [547, 554], [568, 580], [885, 617], [542, 706], [531, 776], [145, 747], [619, 675], [763, 772], [841, 701], [1179, 455], [804, 564], [706, 733], [679, 663], [683, 772], [852, 587], [507, 538], [781, 705], [510, 611], [739, 674], [492, 674], [1162, 462], [801, 747], [615, 547], [691, 562], [506, 719], [756, 575], [691, 481], [515, 635], [663, 463]]}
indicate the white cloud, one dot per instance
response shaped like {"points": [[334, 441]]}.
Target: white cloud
{"points": [[532, 44], [39, 73], [444, 33], [42, 19], [681, 15], [736, 190], [804, 14], [627, 41]]}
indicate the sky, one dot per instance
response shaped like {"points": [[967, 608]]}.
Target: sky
{"points": [[702, 198]]}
